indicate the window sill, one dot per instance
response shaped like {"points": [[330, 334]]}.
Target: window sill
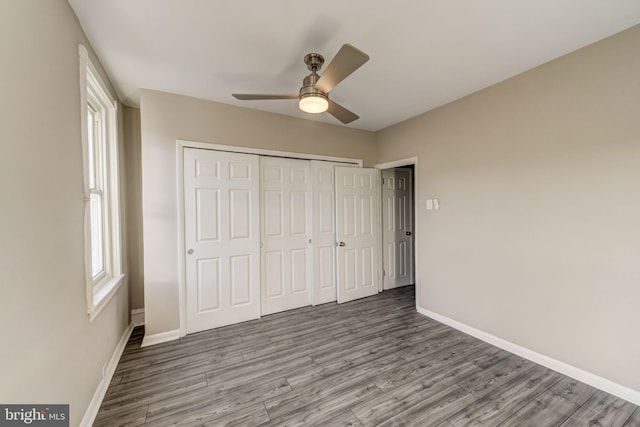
{"points": [[104, 295]]}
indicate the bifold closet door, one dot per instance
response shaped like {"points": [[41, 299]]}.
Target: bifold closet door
{"points": [[357, 225], [323, 238], [285, 188], [221, 196]]}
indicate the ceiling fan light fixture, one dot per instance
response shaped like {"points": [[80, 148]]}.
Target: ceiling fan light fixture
{"points": [[313, 103], [314, 94]]}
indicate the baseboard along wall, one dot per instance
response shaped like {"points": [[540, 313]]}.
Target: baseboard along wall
{"points": [[137, 317], [160, 338], [586, 377], [103, 385]]}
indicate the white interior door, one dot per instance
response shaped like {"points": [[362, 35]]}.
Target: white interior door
{"points": [[323, 237], [285, 197], [221, 199], [357, 226], [397, 227]]}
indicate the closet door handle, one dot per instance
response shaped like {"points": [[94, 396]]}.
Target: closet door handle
{"points": [[341, 244]]}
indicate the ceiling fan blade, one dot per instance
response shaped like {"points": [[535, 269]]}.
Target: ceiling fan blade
{"points": [[341, 113], [248, 96], [347, 60]]}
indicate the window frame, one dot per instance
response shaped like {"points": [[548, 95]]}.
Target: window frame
{"points": [[101, 173]]}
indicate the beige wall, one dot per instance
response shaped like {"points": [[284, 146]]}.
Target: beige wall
{"points": [[133, 168], [537, 178], [165, 118], [537, 238], [50, 352]]}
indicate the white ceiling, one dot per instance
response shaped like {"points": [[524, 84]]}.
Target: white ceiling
{"points": [[424, 53]]}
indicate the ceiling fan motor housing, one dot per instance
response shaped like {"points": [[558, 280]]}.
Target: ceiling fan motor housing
{"points": [[312, 100], [308, 87]]}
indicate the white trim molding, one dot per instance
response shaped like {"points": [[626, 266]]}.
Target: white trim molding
{"points": [[397, 163], [103, 182], [159, 338], [416, 211], [265, 152], [137, 317], [104, 295], [586, 377], [103, 385]]}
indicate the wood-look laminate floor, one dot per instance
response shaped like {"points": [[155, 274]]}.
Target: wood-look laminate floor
{"points": [[369, 362]]}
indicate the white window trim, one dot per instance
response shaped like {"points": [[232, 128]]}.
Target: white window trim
{"points": [[100, 293]]}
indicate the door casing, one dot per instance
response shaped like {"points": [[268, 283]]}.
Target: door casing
{"points": [[397, 227], [416, 211]]}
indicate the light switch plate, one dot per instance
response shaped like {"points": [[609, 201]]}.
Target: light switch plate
{"points": [[429, 204], [436, 204]]}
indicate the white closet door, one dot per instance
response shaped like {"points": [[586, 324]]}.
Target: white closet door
{"points": [[323, 243], [221, 196], [357, 224], [285, 196], [397, 227]]}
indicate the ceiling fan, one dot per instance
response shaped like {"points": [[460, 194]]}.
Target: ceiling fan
{"points": [[314, 93]]}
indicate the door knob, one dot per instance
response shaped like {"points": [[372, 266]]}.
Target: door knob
{"points": [[190, 251], [408, 233], [342, 244]]}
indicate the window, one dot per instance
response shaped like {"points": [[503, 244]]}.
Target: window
{"points": [[103, 263]]}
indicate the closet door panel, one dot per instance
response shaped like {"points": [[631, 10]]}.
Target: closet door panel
{"points": [[357, 232], [323, 239], [222, 259], [285, 189]]}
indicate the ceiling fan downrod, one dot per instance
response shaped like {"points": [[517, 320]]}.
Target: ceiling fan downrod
{"points": [[313, 100]]}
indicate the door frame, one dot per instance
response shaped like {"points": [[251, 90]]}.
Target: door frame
{"points": [[180, 146], [392, 165], [385, 210]]}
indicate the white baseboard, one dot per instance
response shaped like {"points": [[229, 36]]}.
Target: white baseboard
{"points": [[596, 381], [160, 338], [103, 385], [137, 317]]}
